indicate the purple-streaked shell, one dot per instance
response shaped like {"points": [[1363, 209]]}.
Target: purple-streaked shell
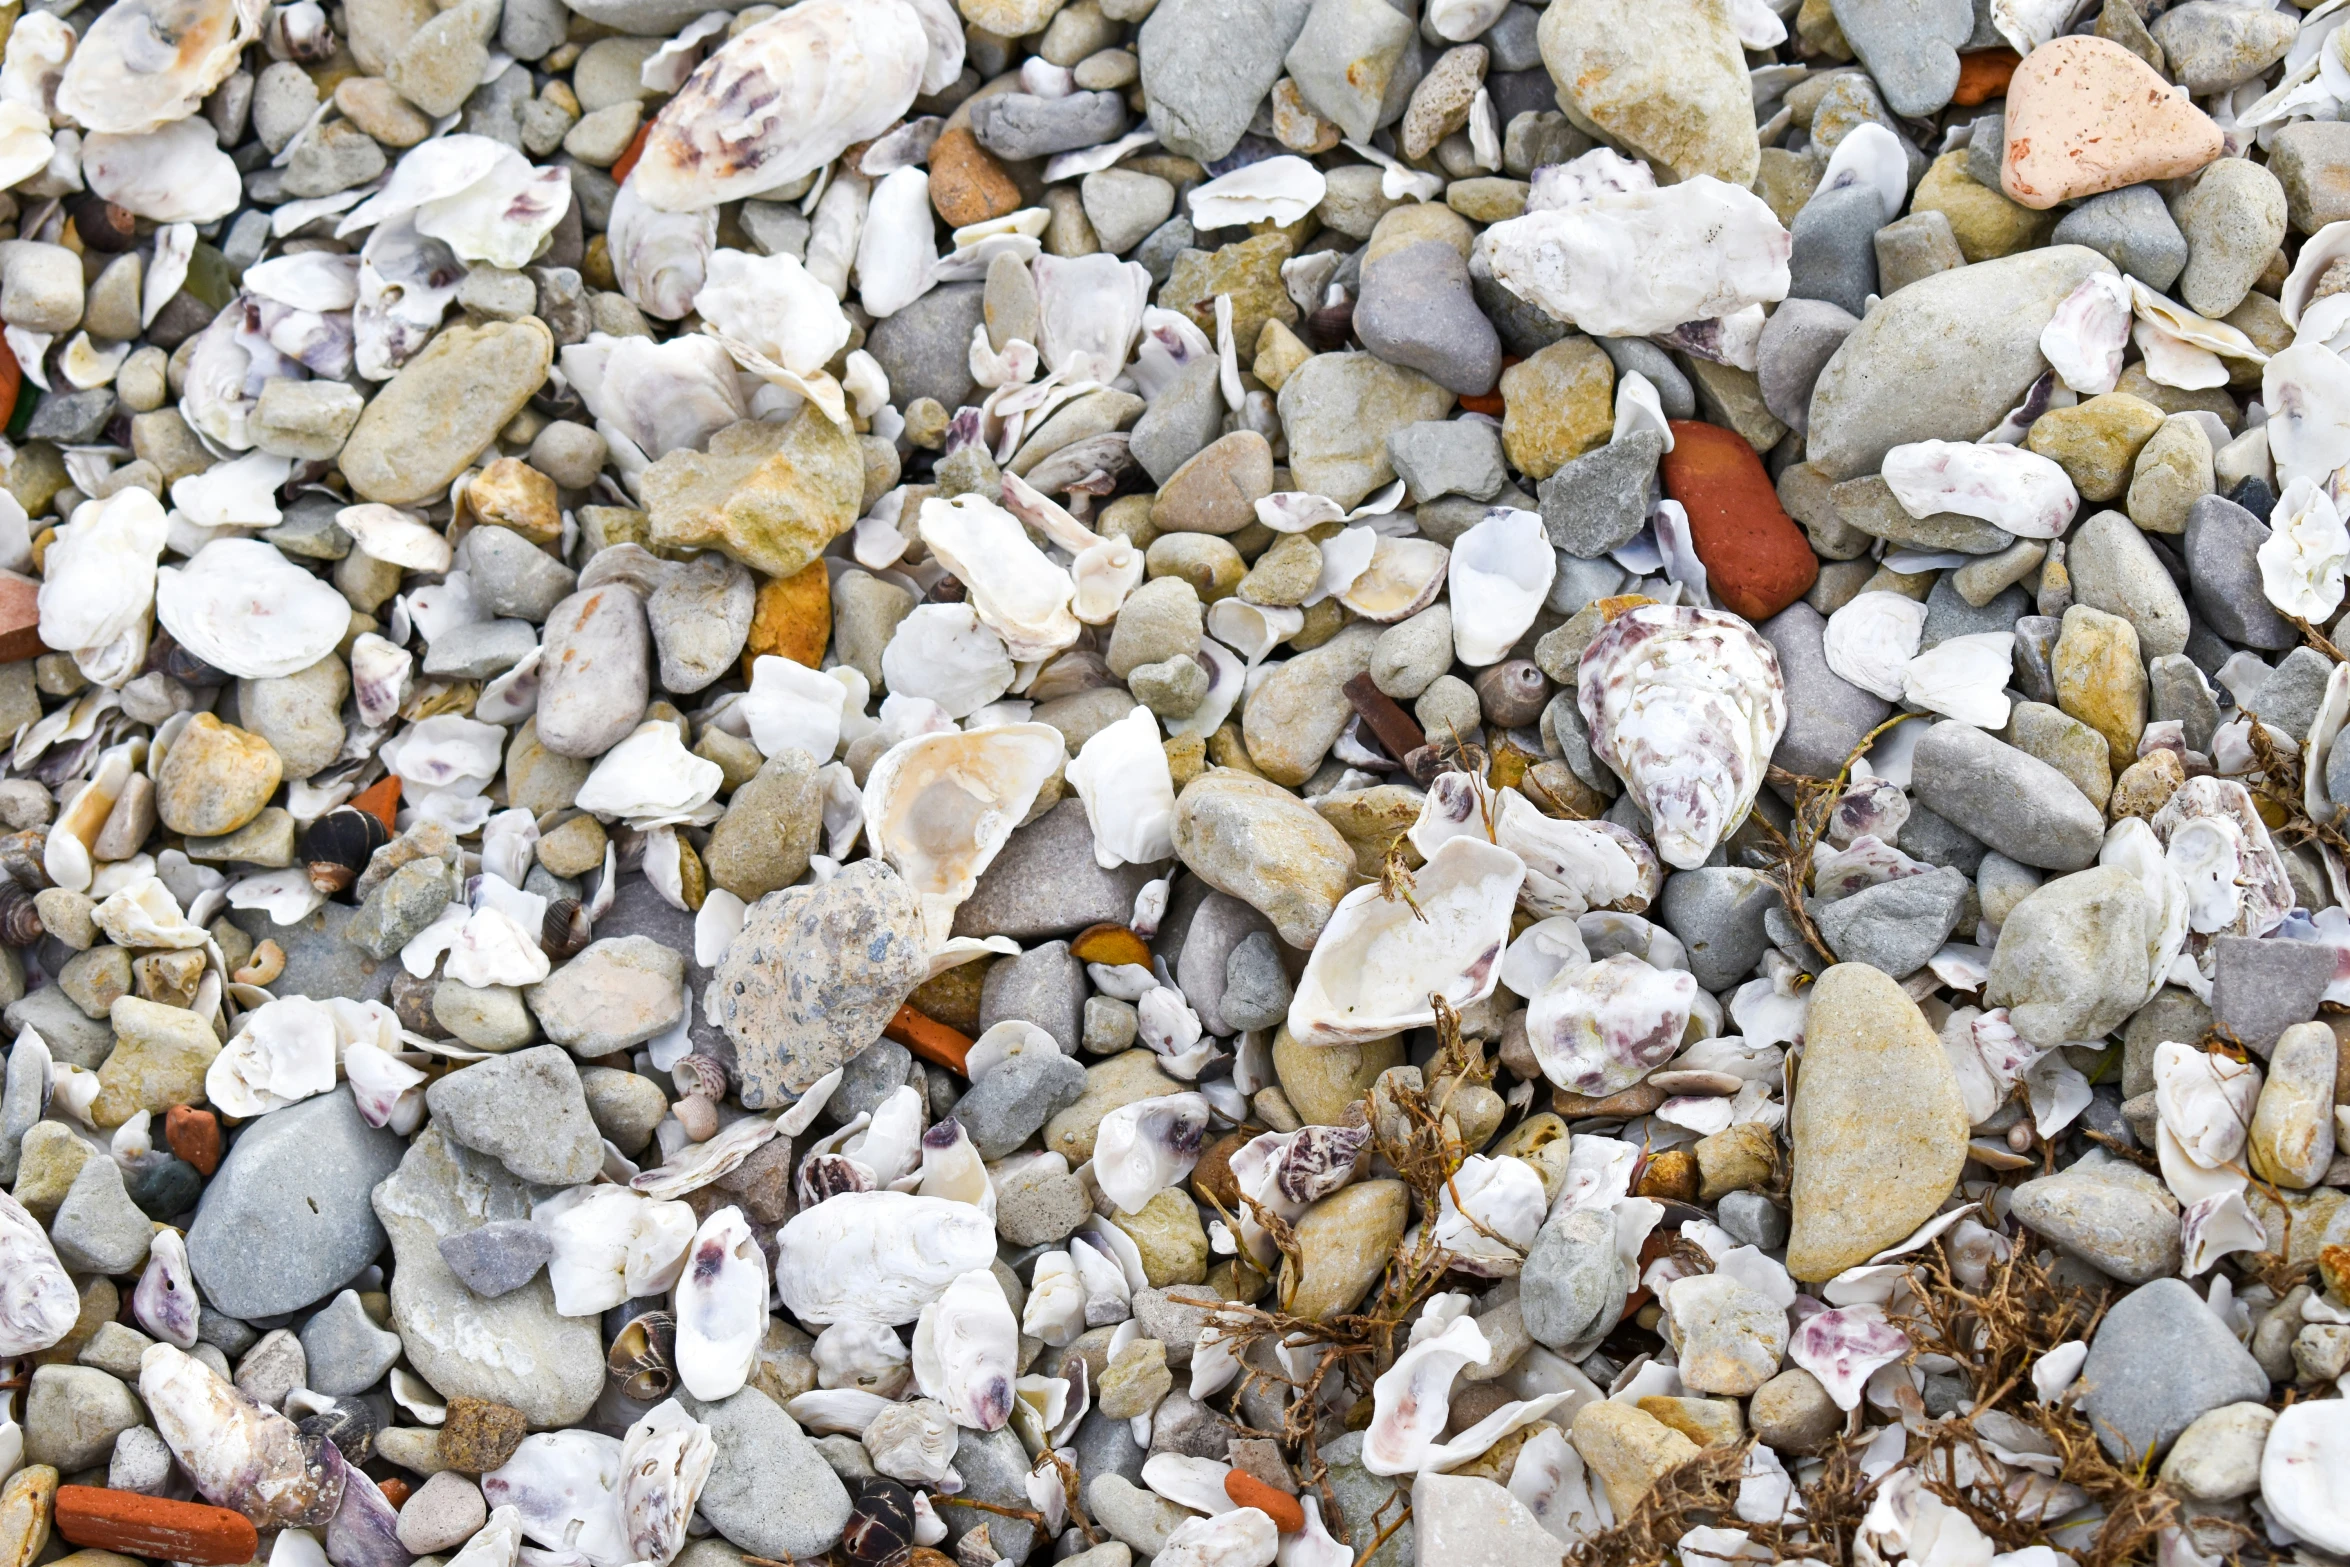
{"points": [[721, 1306], [967, 1349], [2213, 837], [2027, 494], [242, 1455], [1844, 1348], [38, 1305], [2086, 336], [1686, 705], [165, 1300], [1146, 1147], [1603, 1030], [365, 1529], [664, 1461]]}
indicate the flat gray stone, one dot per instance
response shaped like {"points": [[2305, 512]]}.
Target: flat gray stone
{"points": [[2017, 804], [2160, 1360], [2262, 986], [770, 1491], [526, 1111], [344, 1350], [286, 1221]]}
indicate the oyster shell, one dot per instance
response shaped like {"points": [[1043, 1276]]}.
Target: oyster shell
{"points": [[2007, 486], [2301, 1465], [247, 610], [2236, 879], [284, 1052], [1015, 588], [1963, 678], [611, 1246], [38, 1304], [651, 780], [1379, 961], [365, 1530], [720, 1302], [661, 258], [2085, 337], [1146, 1147], [1122, 776], [388, 1091], [2214, 1226], [562, 1490], [777, 321], [863, 1355], [1278, 190], [406, 282], [1601, 1030], [1500, 573], [882, 1256], [1090, 310], [242, 1455], [1871, 640], [1631, 262], [785, 97], [25, 145], [1686, 706], [1412, 1399], [1488, 1216], [1844, 1347], [914, 1441], [177, 174], [896, 261], [2302, 559], [2307, 392], [98, 579], [2205, 1102], [665, 1460], [943, 653], [940, 806], [148, 63], [967, 1351], [1399, 577]]}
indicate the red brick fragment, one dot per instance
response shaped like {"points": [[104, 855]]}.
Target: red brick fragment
{"points": [[137, 1525], [1757, 561]]}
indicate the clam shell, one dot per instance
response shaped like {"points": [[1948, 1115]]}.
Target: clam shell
{"points": [[38, 1304], [2084, 339], [148, 63], [720, 1302], [1272, 190], [665, 1460], [562, 1490], [967, 1350], [1500, 572], [242, 1455], [176, 174], [1399, 578], [1378, 962], [1015, 588], [939, 807], [248, 611], [785, 97], [1146, 1147], [98, 577], [2302, 559], [1686, 706], [1631, 262], [882, 1256], [2301, 1465], [1871, 640], [1602, 1030], [1121, 774], [2019, 490], [661, 258]]}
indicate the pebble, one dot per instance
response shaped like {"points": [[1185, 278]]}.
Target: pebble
{"points": [[2110, 1214], [2259, 988], [524, 1110], [617, 992], [286, 1221], [2160, 1360], [1253, 840], [1416, 309], [443, 1514], [498, 1258], [769, 1490], [443, 408], [1343, 1242], [343, 1349]]}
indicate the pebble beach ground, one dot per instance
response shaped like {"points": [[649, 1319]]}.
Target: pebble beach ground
{"points": [[1229, 783]]}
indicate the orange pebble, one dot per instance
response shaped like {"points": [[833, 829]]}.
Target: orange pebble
{"points": [[395, 1490], [194, 1135], [1111, 944], [1983, 75], [1246, 1490], [636, 150], [381, 800], [11, 382], [930, 1039], [1757, 561], [137, 1525]]}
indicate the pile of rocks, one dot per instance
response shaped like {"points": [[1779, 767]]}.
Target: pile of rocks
{"points": [[1192, 780]]}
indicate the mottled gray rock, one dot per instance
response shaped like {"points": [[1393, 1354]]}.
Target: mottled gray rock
{"points": [[1834, 260], [526, 1111], [343, 1349], [2017, 804], [1015, 1097], [2261, 987], [770, 1491], [1207, 64], [2112, 1215], [1044, 985], [1896, 925], [285, 1220], [1566, 1284], [2223, 572], [1597, 502], [2132, 229], [2073, 958], [1717, 911], [1046, 882], [2161, 1358], [499, 1257]]}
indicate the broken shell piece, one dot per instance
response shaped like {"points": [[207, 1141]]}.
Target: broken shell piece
{"points": [[942, 653], [610, 1245], [1601, 1031], [1963, 678], [1252, 630], [914, 1441], [2086, 335], [1488, 1216], [38, 1305], [882, 1256], [721, 1307], [1500, 573], [1272, 190], [940, 806], [1146, 1147], [98, 576], [660, 258], [785, 97], [2325, 732], [145, 914], [146, 63], [1016, 589], [562, 1489], [1055, 1311], [1379, 961], [2261, 888], [1412, 1399], [1844, 1347], [248, 611], [1573, 867], [1871, 640], [394, 537], [283, 1052], [1121, 774], [2301, 1465], [665, 1459], [2212, 1227], [2205, 1101], [242, 1455], [176, 174], [1400, 578], [1632, 262], [2302, 559], [1686, 705], [650, 780], [388, 1091], [966, 1351], [2177, 321], [1873, 156], [25, 143], [2011, 488], [2172, 361]]}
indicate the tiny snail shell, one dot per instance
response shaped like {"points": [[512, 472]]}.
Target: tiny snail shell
{"points": [[20, 920], [643, 1356]]}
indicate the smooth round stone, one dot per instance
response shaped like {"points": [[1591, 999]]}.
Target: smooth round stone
{"points": [[166, 1189], [215, 778], [2131, 228], [770, 828], [594, 677], [2233, 217], [2160, 1360], [2072, 957], [1124, 205], [2172, 472], [1557, 405], [2085, 115], [1416, 308], [1343, 1242], [1835, 253], [1298, 710], [443, 408], [1338, 411], [1671, 86]]}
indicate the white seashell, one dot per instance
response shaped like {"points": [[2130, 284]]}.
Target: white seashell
{"points": [[896, 263], [914, 1442], [1171, 1029], [1686, 705], [1252, 630], [2212, 1227], [2177, 322], [650, 779], [943, 653], [1632, 262], [1870, 155], [86, 366], [2084, 339], [497, 1543], [247, 610], [940, 807], [1015, 588], [145, 914], [1399, 577], [2205, 1101], [1963, 678], [966, 1351], [1458, 21], [1272, 190], [98, 576], [388, 1091], [1378, 962], [2319, 318], [665, 1459], [1500, 572], [2007, 486], [1603, 171], [394, 537], [773, 306], [283, 1053], [1091, 308], [882, 1256], [661, 258], [25, 144], [720, 1301], [1540, 953], [2301, 561], [1122, 776], [1412, 1399], [148, 63], [406, 282], [1844, 1347], [1243, 1537], [165, 1301], [38, 1304], [1055, 1309], [1344, 558], [2262, 892], [1146, 1147], [1871, 640], [611, 1245], [1489, 1213], [793, 707], [2301, 1465], [1602, 1030], [1109, 1294], [242, 1455], [785, 97], [2325, 732], [2173, 361], [241, 493], [176, 174], [1573, 867], [562, 1490]]}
